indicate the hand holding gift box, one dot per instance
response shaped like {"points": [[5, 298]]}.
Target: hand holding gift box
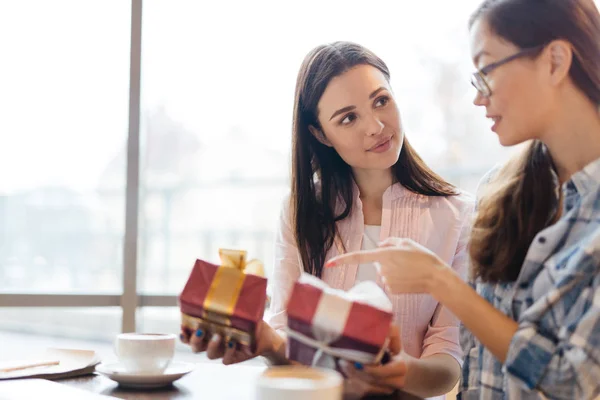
{"points": [[326, 325], [227, 299]]}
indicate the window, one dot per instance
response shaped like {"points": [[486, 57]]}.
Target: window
{"points": [[217, 86]]}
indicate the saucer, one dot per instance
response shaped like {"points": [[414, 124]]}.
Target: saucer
{"points": [[116, 372]]}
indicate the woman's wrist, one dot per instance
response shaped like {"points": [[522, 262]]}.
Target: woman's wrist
{"points": [[444, 282], [275, 352]]}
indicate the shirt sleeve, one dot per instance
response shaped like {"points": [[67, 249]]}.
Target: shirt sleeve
{"points": [[286, 268], [442, 335]]}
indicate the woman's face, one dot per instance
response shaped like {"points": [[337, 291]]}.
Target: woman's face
{"points": [[520, 97], [360, 119]]}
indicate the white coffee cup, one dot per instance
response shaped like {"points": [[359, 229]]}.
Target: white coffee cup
{"points": [[299, 383], [145, 353]]}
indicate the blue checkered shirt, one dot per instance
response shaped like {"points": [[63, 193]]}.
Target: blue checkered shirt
{"points": [[555, 352]]}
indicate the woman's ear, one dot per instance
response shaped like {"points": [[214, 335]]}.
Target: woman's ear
{"points": [[319, 135], [561, 58]]}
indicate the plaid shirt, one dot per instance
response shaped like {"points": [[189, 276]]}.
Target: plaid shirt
{"points": [[555, 352]]}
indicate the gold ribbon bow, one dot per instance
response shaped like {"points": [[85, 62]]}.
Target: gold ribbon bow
{"points": [[237, 259], [227, 284]]}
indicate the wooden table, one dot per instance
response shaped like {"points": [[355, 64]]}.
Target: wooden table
{"points": [[210, 380], [207, 381]]}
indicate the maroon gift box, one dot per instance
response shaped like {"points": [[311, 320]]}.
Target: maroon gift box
{"points": [[224, 300], [320, 321]]}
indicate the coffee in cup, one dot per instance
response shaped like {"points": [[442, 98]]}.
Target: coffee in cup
{"points": [[299, 383]]}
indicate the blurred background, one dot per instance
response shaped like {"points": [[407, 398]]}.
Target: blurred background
{"points": [[217, 86]]}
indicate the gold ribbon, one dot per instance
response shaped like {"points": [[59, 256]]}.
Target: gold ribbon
{"points": [[227, 284], [237, 259]]}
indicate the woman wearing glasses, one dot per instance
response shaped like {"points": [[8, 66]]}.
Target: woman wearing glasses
{"points": [[534, 305]]}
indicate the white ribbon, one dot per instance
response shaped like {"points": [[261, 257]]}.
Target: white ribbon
{"points": [[331, 316], [345, 354]]}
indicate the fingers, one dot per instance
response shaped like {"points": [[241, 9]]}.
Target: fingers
{"points": [[235, 353], [358, 257], [198, 341], [215, 348], [392, 242], [389, 375], [394, 369], [230, 352], [395, 345], [184, 336], [361, 382]]}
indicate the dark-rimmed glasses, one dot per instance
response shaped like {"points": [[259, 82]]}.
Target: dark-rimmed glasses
{"points": [[478, 78]]}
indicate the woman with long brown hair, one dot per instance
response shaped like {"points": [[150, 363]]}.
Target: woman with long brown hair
{"points": [[534, 305], [356, 181]]}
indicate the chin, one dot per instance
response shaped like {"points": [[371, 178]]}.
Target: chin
{"points": [[390, 160], [510, 140], [383, 163]]}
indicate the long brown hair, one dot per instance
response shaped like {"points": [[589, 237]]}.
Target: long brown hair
{"points": [[523, 198], [320, 178]]}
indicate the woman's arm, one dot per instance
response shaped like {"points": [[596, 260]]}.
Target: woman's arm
{"points": [[286, 271], [492, 328], [408, 267], [431, 376], [438, 369]]}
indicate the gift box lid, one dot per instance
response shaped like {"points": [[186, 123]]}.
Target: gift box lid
{"points": [[365, 310], [245, 293]]}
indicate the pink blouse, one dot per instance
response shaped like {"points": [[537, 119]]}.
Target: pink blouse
{"points": [[441, 224]]}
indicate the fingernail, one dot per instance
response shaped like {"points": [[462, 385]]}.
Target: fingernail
{"points": [[358, 366], [199, 333], [330, 263], [181, 337], [216, 337], [230, 344]]}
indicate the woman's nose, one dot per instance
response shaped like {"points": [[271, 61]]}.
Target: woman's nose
{"points": [[375, 126], [480, 100]]}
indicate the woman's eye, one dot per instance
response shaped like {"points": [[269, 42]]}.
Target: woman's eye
{"points": [[382, 101], [348, 119]]}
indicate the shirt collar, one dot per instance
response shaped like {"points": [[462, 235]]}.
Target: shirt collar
{"points": [[586, 179], [395, 191]]}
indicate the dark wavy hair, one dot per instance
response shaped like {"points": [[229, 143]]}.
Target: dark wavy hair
{"points": [[319, 175]]}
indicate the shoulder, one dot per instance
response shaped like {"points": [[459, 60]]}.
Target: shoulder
{"points": [[487, 178], [464, 202], [460, 205], [285, 209]]}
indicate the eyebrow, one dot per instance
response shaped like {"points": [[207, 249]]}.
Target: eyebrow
{"points": [[478, 56], [350, 108], [376, 92]]}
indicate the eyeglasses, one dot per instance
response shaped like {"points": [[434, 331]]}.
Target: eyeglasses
{"points": [[478, 77]]}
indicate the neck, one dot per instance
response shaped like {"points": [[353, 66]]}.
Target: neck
{"points": [[373, 183], [574, 137]]}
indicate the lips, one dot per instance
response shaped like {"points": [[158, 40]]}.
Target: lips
{"points": [[380, 143], [496, 120]]}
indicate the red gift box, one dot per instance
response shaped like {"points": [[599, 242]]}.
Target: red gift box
{"points": [[224, 299], [326, 325]]}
